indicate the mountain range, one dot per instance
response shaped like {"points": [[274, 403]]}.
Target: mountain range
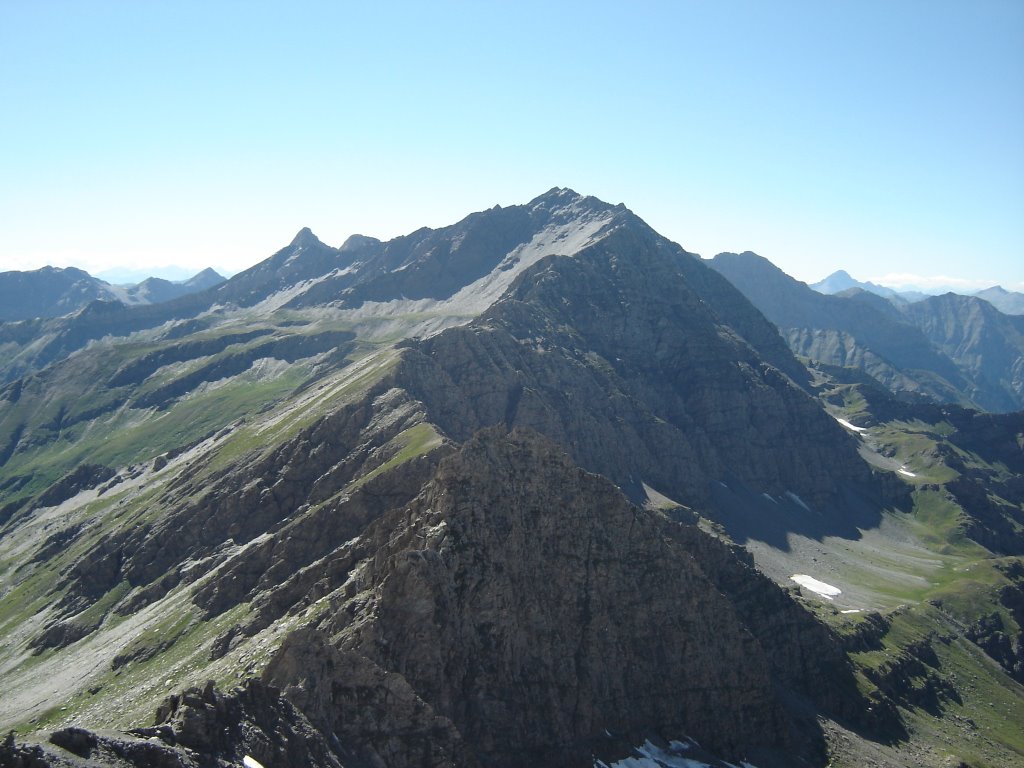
{"points": [[1008, 302], [950, 348], [55, 291], [539, 487]]}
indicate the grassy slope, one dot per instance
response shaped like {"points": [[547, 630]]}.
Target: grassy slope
{"points": [[77, 684], [932, 583]]}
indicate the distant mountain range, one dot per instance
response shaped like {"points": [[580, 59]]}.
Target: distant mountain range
{"points": [[950, 348], [838, 282], [55, 291]]}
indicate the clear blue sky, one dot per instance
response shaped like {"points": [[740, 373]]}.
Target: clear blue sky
{"points": [[881, 137]]}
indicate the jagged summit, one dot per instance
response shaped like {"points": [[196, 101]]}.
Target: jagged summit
{"points": [[304, 238], [568, 202]]}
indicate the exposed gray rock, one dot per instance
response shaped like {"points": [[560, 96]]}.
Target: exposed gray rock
{"points": [[519, 607]]}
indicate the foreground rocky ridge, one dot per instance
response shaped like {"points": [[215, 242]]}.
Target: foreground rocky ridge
{"points": [[517, 610]]}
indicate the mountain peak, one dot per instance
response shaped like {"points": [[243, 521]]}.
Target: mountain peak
{"points": [[354, 242], [304, 238], [841, 280], [205, 279], [557, 194]]}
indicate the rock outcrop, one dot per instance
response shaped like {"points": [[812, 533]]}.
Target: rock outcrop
{"points": [[614, 355], [199, 728], [519, 608]]}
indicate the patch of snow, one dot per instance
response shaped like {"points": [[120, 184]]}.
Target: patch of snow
{"points": [[251, 762], [652, 756], [851, 610], [850, 426], [798, 500], [906, 472], [770, 498], [819, 587]]}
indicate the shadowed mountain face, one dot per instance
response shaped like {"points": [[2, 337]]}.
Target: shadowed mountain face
{"points": [[47, 292], [615, 355], [532, 611], [950, 348], [987, 344]]}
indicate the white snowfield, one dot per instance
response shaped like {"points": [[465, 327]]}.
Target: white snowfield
{"points": [[818, 587], [653, 756], [251, 762], [850, 426], [906, 472]]}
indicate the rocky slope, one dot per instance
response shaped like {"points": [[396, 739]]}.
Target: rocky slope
{"points": [[530, 609], [625, 363]]}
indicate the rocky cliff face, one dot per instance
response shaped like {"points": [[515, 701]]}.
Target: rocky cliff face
{"points": [[520, 608], [616, 356], [988, 344]]}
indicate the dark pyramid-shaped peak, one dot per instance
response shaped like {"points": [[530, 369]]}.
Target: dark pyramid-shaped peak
{"points": [[205, 279], [304, 238]]}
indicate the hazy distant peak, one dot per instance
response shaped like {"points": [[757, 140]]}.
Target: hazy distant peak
{"points": [[841, 280], [1010, 302], [205, 279]]}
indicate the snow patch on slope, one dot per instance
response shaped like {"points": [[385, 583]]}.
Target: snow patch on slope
{"points": [[818, 587], [653, 756], [850, 426]]}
